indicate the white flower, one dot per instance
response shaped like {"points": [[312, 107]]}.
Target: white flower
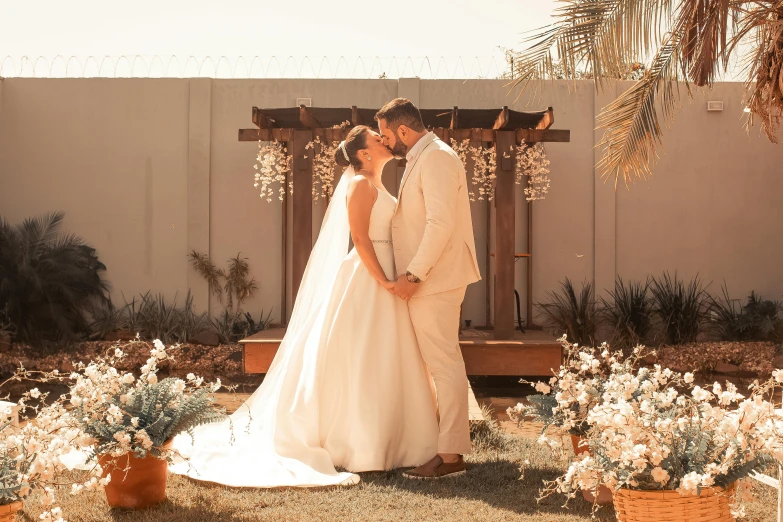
{"points": [[118, 353], [543, 388], [191, 377], [152, 378], [159, 344], [144, 439], [688, 378], [178, 386], [123, 438], [660, 475], [128, 378], [135, 422], [34, 393], [689, 484], [778, 375]]}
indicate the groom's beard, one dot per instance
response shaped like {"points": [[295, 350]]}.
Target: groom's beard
{"points": [[400, 150]]}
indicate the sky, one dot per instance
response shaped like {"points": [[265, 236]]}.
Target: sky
{"points": [[298, 28]]}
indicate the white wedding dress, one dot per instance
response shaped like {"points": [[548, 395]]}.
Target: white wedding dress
{"points": [[347, 389]]}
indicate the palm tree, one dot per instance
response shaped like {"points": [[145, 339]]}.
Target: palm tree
{"points": [[48, 281], [690, 40]]}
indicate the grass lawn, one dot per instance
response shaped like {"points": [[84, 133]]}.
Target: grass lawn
{"points": [[491, 491]]}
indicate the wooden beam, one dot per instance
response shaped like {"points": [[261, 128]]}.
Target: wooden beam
{"points": [[502, 119], [454, 118], [261, 121], [356, 118], [547, 120], [303, 205], [307, 119], [504, 235], [485, 135]]}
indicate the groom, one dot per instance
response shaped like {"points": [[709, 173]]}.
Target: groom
{"points": [[435, 255]]}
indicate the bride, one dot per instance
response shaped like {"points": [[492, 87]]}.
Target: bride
{"points": [[348, 387]]}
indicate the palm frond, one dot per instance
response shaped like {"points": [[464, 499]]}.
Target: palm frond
{"points": [[600, 36]]}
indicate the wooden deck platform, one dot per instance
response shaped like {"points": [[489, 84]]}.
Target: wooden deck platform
{"points": [[534, 353]]}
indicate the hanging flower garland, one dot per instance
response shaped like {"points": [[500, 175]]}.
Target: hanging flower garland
{"points": [[484, 167], [272, 166], [323, 168], [462, 148], [532, 161], [484, 162]]}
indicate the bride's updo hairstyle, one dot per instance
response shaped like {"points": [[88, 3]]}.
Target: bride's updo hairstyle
{"points": [[348, 153]]}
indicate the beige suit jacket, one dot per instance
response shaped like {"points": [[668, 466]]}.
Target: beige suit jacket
{"points": [[431, 228]]}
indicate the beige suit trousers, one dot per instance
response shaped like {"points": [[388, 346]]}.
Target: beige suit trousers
{"points": [[436, 323]]}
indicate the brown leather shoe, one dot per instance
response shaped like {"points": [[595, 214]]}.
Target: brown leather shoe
{"points": [[436, 468]]}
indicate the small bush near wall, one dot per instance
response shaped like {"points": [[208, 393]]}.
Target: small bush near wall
{"points": [[628, 313], [680, 308], [573, 315], [49, 281], [757, 320]]}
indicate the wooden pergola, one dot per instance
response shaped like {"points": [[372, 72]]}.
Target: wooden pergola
{"points": [[505, 128]]}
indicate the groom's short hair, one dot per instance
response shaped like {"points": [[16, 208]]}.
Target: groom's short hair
{"points": [[401, 111]]}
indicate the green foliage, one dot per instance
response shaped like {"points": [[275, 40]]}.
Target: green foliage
{"points": [[189, 323], [161, 412], [10, 479], [488, 435], [48, 280], [629, 313], [154, 318], [157, 319], [571, 314], [680, 308], [232, 284], [6, 326], [756, 320]]}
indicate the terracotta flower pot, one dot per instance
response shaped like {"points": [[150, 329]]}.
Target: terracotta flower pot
{"points": [[8, 511], [135, 483], [604, 493]]}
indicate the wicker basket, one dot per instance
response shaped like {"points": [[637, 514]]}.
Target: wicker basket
{"points": [[669, 506]]}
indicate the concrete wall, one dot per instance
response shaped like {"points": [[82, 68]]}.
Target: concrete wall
{"points": [[148, 170]]}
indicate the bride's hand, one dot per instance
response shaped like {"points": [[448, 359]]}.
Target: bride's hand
{"points": [[389, 285]]}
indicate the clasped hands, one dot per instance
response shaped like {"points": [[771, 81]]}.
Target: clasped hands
{"points": [[402, 288]]}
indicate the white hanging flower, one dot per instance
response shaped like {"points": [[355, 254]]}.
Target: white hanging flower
{"points": [[533, 163]]}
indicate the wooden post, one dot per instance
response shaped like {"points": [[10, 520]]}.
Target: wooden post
{"points": [[302, 167], [284, 242], [529, 318], [505, 151]]}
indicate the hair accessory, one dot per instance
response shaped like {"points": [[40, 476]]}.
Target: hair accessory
{"points": [[345, 152]]}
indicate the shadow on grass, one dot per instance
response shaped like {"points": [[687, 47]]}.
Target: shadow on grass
{"points": [[496, 483]]}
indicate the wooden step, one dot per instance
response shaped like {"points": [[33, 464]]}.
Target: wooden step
{"points": [[532, 354]]}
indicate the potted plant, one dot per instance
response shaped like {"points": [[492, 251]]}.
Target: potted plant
{"points": [[132, 421], [670, 449], [565, 402], [33, 454]]}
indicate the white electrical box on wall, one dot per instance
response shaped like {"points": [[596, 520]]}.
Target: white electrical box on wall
{"points": [[307, 102], [714, 106]]}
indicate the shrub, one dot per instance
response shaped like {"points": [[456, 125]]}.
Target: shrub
{"points": [[629, 313], [48, 280], [571, 314], [234, 284], [681, 309], [757, 320]]}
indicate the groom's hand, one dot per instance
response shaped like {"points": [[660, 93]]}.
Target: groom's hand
{"points": [[404, 288]]}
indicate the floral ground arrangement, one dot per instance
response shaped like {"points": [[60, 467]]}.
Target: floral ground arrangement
{"points": [[112, 414]]}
